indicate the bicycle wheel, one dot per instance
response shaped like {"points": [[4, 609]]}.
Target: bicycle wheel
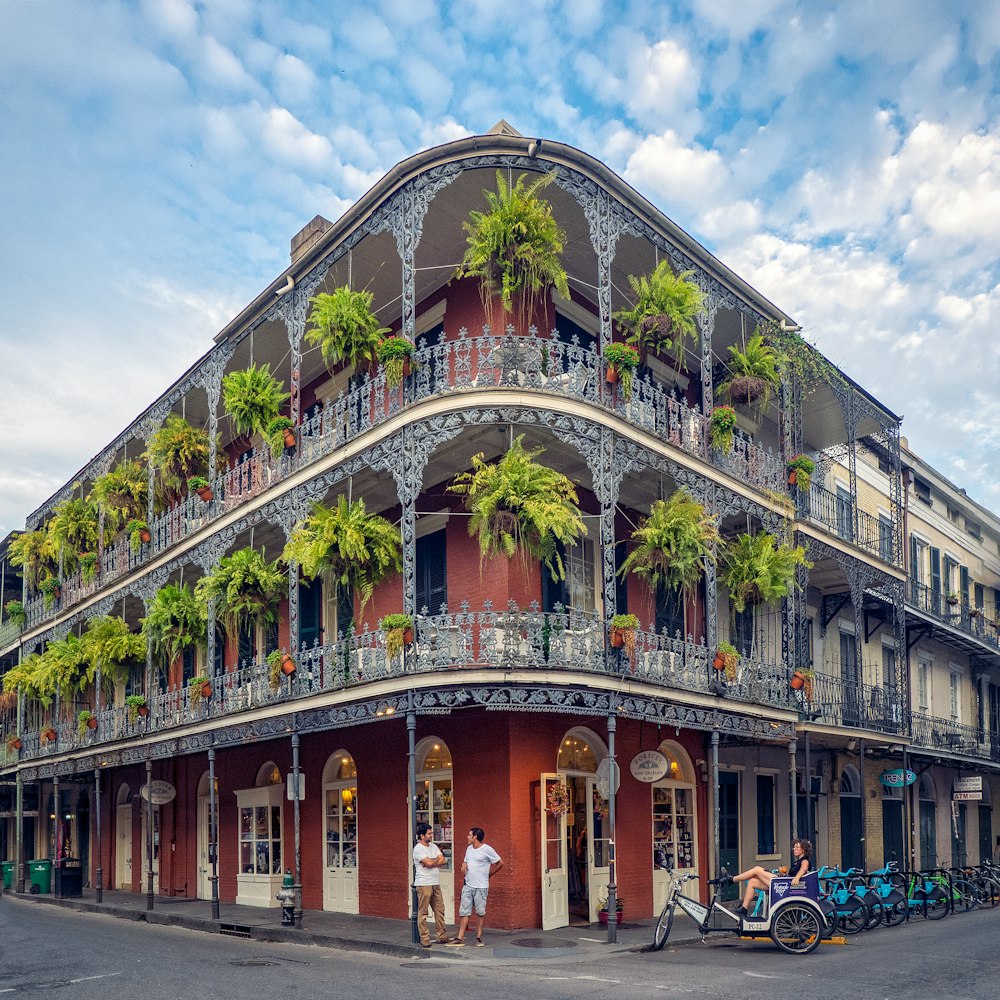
{"points": [[936, 905], [796, 929], [966, 895], [662, 930], [894, 907], [853, 915], [989, 889]]}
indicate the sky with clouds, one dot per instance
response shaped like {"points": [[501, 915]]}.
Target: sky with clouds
{"points": [[158, 155]]}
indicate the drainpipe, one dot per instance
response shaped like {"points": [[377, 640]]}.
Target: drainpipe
{"points": [[809, 794], [297, 886], [864, 805]]}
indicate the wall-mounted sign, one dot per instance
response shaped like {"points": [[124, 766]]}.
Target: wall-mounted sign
{"points": [[290, 787], [158, 792], [649, 766], [966, 796], [897, 778], [974, 784]]}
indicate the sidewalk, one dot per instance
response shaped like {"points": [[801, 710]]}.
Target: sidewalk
{"points": [[376, 935]]}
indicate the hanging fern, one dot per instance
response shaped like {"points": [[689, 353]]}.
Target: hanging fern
{"points": [[357, 548], [344, 327], [73, 530], [121, 494], [755, 372], [756, 569], [253, 397], [246, 588], [674, 544], [666, 307], [515, 248], [521, 507], [174, 622], [177, 451], [110, 644], [34, 552]]}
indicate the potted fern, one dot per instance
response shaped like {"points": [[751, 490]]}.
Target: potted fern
{"points": [[758, 569], [16, 613], [398, 631], [174, 622], [800, 470], [623, 629], [50, 590], [727, 658], [802, 680], [84, 721], [344, 327], [199, 688], [515, 248], [721, 428], [755, 372], [665, 310], [246, 589], [280, 434], [137, 707], [138, 535], [13, 743], [520, 507], [394, 355], [622, 361], [178, 452], [279, 664], [201, 486]]}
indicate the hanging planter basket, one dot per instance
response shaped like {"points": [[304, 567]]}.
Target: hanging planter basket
{"points": [[746, 389], [287, 665]]}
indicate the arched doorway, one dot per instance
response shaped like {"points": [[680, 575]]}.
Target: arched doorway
{"points": [[575, 833], [260, 857], [340, 834], [674, 819], [850, 818], [123, 839], [928, 822], [985, 824], [435, 805], [205, 835]]}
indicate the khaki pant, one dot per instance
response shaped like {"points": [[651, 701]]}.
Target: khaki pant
{"points": [[431, 895]]}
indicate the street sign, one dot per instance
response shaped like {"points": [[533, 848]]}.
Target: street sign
{"points": [[158, 792], [604, 772], [966, 796], [649, 766], [897, 778], [290, 787]]}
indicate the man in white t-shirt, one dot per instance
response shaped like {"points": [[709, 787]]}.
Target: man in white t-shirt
{"points": [[427, 859], [480, 865]]}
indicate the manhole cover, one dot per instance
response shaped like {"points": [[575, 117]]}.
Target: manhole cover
{"points": [[252, 963], [543, 943]]}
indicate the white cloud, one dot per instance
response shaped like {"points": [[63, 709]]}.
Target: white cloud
{"points": [[294, 81], [663, 167]]}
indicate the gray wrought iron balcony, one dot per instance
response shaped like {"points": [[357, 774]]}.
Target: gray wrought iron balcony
{"points": [[954, 610], [838, 702], [841, 515], [465, 364], [933, 732], [506, 640]]}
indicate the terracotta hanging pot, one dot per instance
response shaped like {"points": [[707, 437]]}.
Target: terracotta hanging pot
{"points": [[144, 535], [92, 722], [287, 666], [407, 636], [719, 663], [206, 690], [289, 437], [798, 681], [143, 710], [611, 377], [205, 493], [617, 638]]}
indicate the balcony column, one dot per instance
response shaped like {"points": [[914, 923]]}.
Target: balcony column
{"points": [[99, 873], [211, 381], [706, 326], [852, 460]]}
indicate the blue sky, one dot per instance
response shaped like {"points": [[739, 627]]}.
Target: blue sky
{"points": [[158, 156]]}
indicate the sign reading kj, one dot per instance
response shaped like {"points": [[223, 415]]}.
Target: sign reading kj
{"points": [[649, 766], [898, 778], [158, 792]]}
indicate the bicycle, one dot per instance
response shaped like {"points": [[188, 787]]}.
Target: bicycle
{"points": [[888, 888], [929, 892], [852, 912], [793, 920]]}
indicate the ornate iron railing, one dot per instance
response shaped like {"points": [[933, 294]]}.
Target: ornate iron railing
{"points": [[504, 640], [956, 737], [838, 702], [837, 514], [955, 611], [466, 363]]}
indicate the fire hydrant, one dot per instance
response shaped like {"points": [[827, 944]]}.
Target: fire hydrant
{"points": [[286, 898]]}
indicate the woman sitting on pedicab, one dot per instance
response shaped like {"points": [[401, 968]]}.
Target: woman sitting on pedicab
{"points": [[758, 878]]}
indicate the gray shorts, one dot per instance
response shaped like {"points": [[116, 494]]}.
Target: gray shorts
{"points": [[473, 898]]}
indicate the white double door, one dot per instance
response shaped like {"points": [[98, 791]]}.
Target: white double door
{"points": [[557, 855], [340, 879], [123, 847]]}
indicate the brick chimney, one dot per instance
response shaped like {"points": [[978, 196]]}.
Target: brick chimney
{"points": [[304, 240]]}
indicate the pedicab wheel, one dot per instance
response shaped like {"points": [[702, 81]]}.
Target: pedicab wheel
{"points": [[662, 929], [796, 929]]}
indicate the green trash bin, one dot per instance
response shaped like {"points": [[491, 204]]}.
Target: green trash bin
{"points": [[40, 872], [8, 874]]}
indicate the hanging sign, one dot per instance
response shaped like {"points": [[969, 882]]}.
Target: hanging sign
{"points": [[290, 787], [649, 766], [966, 796], [897, 778], [609, 778], [158, 792]]}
